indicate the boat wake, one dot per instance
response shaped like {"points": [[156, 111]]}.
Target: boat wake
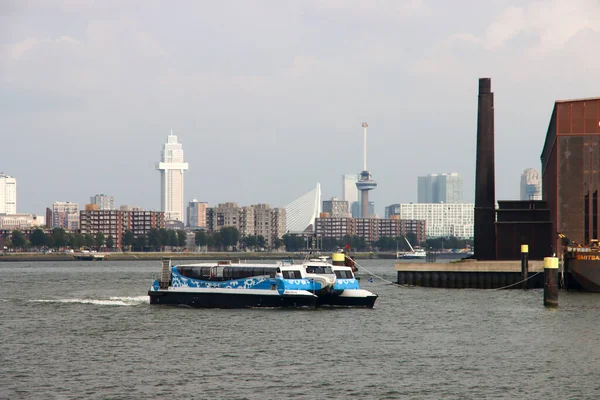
{"points": [[111, 301]]}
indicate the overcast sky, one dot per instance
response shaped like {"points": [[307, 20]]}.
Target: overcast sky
{"points": [[268, 97]]}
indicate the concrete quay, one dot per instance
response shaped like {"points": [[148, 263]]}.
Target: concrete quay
{"points": [[470, 274]]}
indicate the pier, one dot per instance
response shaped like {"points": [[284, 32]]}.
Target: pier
{"points": [[470, 274]]}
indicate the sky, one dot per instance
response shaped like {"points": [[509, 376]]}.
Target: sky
{"points": [[268, 97]]}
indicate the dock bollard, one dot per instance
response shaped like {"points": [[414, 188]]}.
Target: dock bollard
{"points": [[551, 282], [524, 264]]}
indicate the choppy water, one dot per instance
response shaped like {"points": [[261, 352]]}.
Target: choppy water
{"points": [[86, 330]]}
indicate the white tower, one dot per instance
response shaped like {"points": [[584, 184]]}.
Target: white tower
{"points": [[365, 182], [171, 167], [8, 194]]}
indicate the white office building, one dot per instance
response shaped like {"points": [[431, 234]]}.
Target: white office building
{"points": [[8, 194], [350, 191], [441, 219], [171, 167], [103, 201]]}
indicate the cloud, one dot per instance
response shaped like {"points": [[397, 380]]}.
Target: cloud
{"points": [[380, 9], [553, 23]]}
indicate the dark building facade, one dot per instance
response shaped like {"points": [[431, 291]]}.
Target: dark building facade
{"points": [[523, 222], [485, 183], [115, 223], [570, 170]]}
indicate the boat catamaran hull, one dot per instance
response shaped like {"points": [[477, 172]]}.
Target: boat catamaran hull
{"points": [[313, 283]]}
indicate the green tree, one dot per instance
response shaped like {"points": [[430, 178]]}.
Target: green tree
{"points": [[139, 243], [18, 239], [37, 238], [89, 240], [201, 238], [249, 242], [49, 240], [163, 235], [173, 240], [99, 240], [181, 238], [230, 236], [294, 242], [110, 242], [78, 241], [260, 241], [128, 239], [216, 240], [277, 243], [154, 239], [60, 237]]}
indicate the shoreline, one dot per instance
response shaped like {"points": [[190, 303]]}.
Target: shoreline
{"points": [[154, 256]]}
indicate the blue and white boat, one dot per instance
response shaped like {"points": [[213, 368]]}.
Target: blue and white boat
{"points": [[312, 283]]}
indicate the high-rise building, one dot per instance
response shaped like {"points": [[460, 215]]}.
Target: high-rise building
{"points": [[349, 189], [116, 223], [103, 201], [8, 194], [65, 215], [269, 223], [440, 188], [171, 167], [391, 210], [531, 185], [259, 220], [336, 208], [442, 219], [196, 214]]}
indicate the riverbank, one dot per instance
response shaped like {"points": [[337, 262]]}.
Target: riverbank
{"points": [[132, 256], [234, 256]]}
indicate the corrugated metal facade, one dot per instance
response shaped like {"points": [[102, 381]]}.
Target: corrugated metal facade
{"points": [[570, 169]]}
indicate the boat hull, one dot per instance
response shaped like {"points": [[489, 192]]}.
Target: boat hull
{"points": [[582, 274], [349, 298], [230, 300], [411, 257]]}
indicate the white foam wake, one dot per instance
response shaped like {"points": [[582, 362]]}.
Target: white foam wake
{"points": [[111, 301]]}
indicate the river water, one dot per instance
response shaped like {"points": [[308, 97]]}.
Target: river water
{"points": [[86, 330]]}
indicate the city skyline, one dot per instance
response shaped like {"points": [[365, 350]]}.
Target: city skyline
{"points": [[245, 101]]}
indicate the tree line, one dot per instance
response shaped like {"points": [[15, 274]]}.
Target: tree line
{"points": [[229, 237], [384, 243], [155, 240]]}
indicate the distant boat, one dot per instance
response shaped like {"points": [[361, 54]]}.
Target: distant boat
{"points": [[87, 255], [413, 254]]}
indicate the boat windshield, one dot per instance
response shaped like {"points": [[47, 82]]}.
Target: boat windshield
{"points": [[313, 269], [344, 274]]}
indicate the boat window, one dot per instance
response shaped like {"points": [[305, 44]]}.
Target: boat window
{"points": [[349, 275], [339, 274], [205, 272], [191, 272], [227, 273], [292, 275], [311, 269]]}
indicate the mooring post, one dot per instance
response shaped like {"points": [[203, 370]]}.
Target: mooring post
{"points": [[551, 282], [524, 264]]}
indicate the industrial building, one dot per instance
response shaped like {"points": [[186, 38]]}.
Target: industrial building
{"points": [[571, 169]]}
